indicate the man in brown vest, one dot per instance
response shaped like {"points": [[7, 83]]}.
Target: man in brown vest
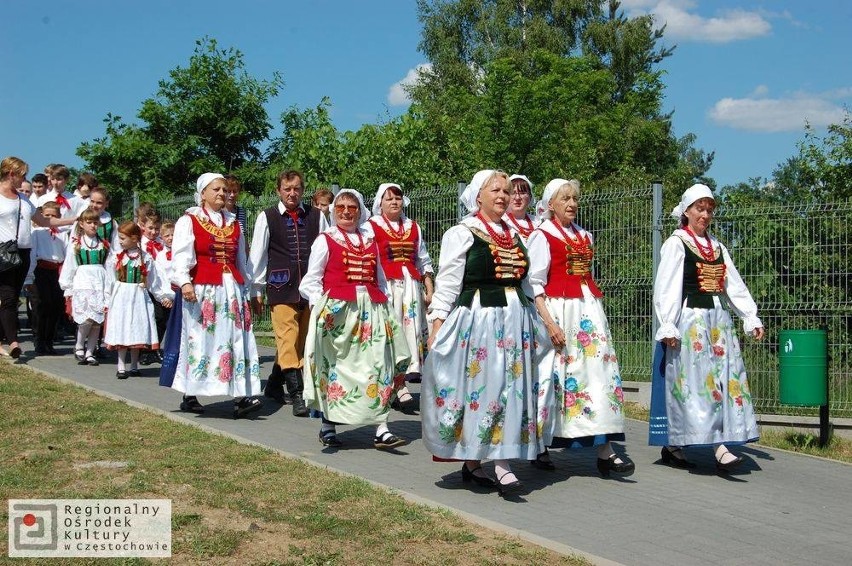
{"points": [[282, 240]]}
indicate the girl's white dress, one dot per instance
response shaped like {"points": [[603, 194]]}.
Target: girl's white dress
{"points": [[218, 354], [130, 319], [85, 280]]}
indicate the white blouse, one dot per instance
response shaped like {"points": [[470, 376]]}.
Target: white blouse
{"points": [[454, 247], [183, 244], [668, 288], [311, 287], [10, 219], [539, 252]]}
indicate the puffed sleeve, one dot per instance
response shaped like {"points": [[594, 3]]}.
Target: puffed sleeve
{"points": [[259, 255], [738, 295], [311, 286], [448, 284], [158, 286], [539, 254], [668, 288], [69, 268], [183, 251]]}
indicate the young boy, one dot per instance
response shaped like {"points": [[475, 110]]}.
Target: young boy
{"points": [[47, 256], [148, 219], [163, 265]]}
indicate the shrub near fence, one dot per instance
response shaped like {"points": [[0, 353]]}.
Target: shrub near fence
{"points": [[794, 259]]}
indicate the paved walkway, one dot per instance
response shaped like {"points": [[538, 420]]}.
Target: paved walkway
{"points": [[779, 508]]}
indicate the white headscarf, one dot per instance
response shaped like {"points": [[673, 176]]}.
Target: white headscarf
{"points": [[471, 191], [377, 202], [525, 178], [365, 214], [202, 182], [690, 195], [550, 189]]}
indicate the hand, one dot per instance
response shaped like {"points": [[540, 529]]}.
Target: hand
{"points": [[188, 292], [557, 337], [257, 305], [758, 333], [436, 326], [673, 343], [427, 298], [167, 303]]}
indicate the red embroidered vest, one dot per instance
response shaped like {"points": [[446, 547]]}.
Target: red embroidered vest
{"points": [[346, 270], [396, 252], [568, 270], [215, 251]]}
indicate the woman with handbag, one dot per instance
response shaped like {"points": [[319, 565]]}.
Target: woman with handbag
{"points": [[16, 212]]}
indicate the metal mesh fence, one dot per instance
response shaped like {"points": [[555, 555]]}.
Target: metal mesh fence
{"points": [[792, 257]]}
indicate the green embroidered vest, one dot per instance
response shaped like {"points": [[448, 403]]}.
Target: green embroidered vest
{"points": [[491, 269]]}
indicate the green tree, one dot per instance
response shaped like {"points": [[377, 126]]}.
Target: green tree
{"points": [[208, 116]]}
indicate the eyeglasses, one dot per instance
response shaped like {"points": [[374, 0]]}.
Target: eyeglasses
{"points": [[346, 208]]}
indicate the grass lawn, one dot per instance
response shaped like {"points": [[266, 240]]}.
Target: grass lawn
{"points": [[231, 503]]}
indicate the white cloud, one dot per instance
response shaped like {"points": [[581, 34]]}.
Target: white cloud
{"points": [[683, 23], [789, 114], [396, 93]]}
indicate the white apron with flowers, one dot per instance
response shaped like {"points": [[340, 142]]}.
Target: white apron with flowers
{"points": [[352, 353], [219, 356]]}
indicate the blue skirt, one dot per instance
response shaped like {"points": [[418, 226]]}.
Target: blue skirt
{"points": [[171, 345]]}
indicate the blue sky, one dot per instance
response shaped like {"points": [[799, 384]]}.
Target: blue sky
{"points": [[745, 76]]}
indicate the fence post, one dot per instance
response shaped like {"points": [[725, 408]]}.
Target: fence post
{"points": [[135, 205], [461, 212], [335, 188], [656, 243]]}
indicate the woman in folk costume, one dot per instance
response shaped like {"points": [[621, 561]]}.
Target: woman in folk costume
{"points": [[218, 353], [580, 399], [130, 318], [355, 349], [700, 394], [408, 269], [517, 216], [480, 380]]}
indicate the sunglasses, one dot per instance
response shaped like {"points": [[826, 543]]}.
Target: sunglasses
{"points": [[346, 208]]}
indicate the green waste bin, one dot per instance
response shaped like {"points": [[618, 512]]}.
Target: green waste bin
{"points": [[802, 357]]}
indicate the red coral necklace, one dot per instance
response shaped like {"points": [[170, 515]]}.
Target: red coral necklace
{"points": [[580, 244], [503, 240], [359, 249], [706, 251]]}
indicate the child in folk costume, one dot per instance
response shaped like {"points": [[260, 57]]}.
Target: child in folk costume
{"points": [[408, 269], [85, 280], [163, 265], [47, 255], [130, 319]]}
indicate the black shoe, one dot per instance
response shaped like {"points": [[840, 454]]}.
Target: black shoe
{"points": [[51, 351], [388, 440], [146, 359], [246, 405], [728, 466], [191, 405], [605, 466], [80, 356], [469, 475], [508, 488], [413, 377], [134, 373], [541, 463], [93, 361], [121, 374], [329, 438], [408, 407], [299, 407], [670, 459], [275, 385]]}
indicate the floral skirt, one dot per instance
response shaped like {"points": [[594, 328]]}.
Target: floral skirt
{"points": [[704, 383], [130, 320], [353, 351], [581, 399], [406, 302], [218, 354], [479, 397]]}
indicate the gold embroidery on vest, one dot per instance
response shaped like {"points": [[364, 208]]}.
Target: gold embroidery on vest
{"points": [[359, 268], [401, 251], [711, 277]]}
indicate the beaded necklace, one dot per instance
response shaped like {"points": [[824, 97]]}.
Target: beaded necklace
{"points": [[396, 234], [524, 231], [503, 240], [359, 249], [579, 244], [706, 251]]}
